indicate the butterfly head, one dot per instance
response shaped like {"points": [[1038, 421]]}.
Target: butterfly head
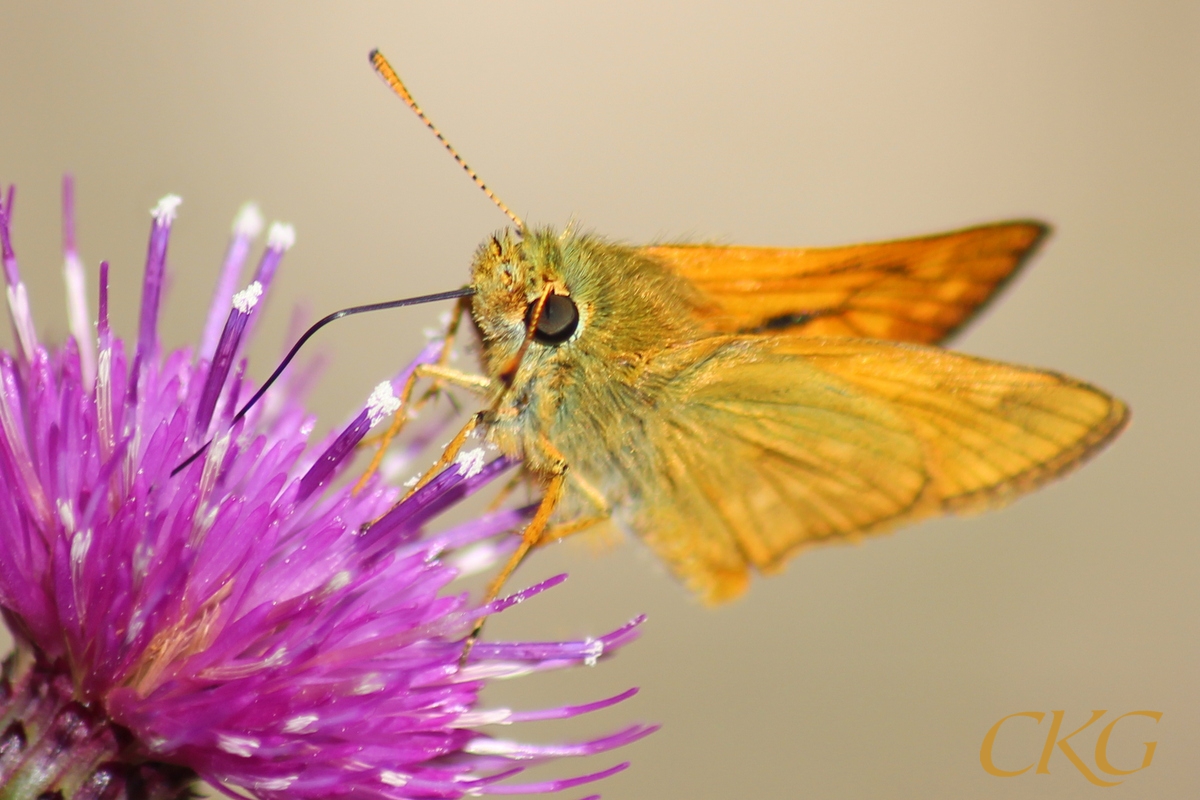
{"points": [[521, 305], [549, 301]]}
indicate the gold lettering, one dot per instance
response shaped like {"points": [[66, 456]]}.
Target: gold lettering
{"points": [[1043, 767], [985, 752], [1056, 723], [1102, 744]]}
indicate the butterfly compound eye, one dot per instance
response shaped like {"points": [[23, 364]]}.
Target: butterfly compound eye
{"points": [[557, 322]]}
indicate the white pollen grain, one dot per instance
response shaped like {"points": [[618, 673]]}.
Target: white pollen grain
{"points": [[281, 236], [249, 221], [470, 462], [382, 403], [595, 649], [248, 298], [164, 211]]}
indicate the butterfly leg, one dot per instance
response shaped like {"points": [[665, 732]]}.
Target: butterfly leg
{"points": [[557, 532], [403, 413], [597, 499], [593, 494], [398, 421], [529, 537], [476, 383], [460, 310], [429, 370], [479, 384], [449, 453]]}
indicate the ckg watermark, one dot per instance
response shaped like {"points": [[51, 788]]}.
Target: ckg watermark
{"points": [[1014, 731]]}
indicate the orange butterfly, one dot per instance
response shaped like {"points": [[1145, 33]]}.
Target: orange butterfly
{"points": [[733, 405]]}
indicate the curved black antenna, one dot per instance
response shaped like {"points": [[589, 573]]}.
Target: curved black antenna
{"points": [[308, 334]]}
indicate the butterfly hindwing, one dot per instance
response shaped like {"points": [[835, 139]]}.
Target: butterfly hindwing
{"points": [[785, 442]]}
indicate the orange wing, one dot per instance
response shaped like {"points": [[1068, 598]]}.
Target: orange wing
{"points": [[909, 290], [786, 442]]}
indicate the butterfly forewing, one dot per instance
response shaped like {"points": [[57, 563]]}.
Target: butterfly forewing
{"points": [[784, 442], [912, 290]]}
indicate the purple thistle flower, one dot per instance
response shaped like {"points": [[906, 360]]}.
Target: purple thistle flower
{"points": [[241, 620]]}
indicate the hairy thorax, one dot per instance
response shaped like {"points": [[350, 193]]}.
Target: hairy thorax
{"points": [[586, 401]]}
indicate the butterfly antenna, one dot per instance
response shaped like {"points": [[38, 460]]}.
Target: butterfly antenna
{"points": [[385, 71], [308, 334]]}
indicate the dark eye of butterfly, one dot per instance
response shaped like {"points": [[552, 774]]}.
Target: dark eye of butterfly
{"points": [[557, 322]]}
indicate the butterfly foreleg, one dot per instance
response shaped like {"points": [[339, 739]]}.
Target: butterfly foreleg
{"points": [[439, 372], [460, 310], [594, 496], [449, 453], [475, 383], [565, 529], [398, 421], [479, 384], [531, 536]]}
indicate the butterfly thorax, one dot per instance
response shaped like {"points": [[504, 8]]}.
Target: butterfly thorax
{"points": [[591, 396]]}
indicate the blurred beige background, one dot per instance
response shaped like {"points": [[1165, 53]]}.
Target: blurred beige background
{"points": [[861, 672]]}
